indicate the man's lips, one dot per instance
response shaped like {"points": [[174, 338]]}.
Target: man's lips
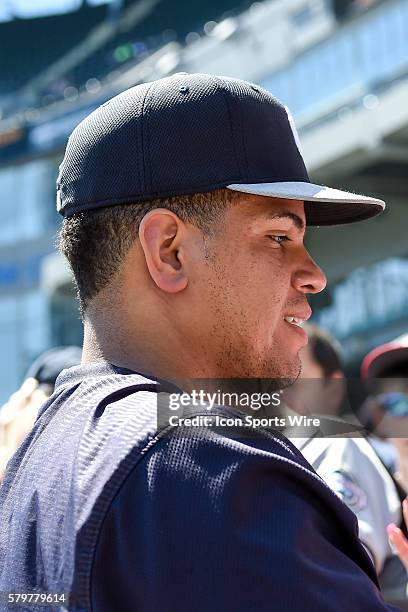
{"points": [[294, 320], [298, 317], [297, 329]]}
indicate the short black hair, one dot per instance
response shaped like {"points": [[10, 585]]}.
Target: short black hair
{"points": [[325, 349], [95, 242]]}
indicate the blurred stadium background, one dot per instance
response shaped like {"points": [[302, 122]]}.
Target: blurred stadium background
{"points": [[342, 68]]}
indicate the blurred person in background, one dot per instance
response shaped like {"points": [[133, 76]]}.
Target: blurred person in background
{"points": [[19, 413], [348, 464], [321, 363], [385, 411]]}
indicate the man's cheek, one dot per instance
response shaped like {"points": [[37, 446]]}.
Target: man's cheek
{"points": [[269, 328]]}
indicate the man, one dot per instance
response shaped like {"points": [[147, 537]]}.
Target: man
{"points": [[184, 223], [347, 463]]}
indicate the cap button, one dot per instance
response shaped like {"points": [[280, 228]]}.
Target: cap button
{"points": [[184, 89]]}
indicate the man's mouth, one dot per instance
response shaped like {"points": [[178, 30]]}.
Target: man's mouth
{"points": [[295, 320]]}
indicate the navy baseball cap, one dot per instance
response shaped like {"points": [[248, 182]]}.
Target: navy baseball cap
{"points": [[47, 367], [192, 133]]}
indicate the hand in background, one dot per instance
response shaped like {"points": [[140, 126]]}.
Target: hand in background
{"points": [[397, 538]]}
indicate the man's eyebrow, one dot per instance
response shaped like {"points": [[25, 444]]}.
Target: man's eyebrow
{"points": [[300, 224]]}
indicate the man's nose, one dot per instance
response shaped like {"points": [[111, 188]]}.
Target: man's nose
{"points": [[308, 277]]}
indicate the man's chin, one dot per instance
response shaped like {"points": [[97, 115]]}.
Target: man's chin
{"points": [[273, 379], [273, 370], [286, 372]]}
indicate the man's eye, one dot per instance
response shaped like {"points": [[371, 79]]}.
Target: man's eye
{"points": [[279, 239]]}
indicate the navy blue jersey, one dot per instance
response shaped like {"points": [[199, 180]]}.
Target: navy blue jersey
{"points": [[100, 505]]}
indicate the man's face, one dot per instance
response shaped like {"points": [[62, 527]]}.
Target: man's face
{"points": [[253, 279]]}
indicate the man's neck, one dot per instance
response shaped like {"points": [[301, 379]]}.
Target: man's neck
{"points": [[143, 353]]}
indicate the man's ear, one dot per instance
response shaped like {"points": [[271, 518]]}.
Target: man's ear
{"points": [[161, 235]]}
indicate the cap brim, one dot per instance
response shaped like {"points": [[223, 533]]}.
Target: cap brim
{"points": [[323, 205]]}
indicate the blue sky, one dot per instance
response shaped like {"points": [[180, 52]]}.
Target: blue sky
{"points": [[36, 8]]}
